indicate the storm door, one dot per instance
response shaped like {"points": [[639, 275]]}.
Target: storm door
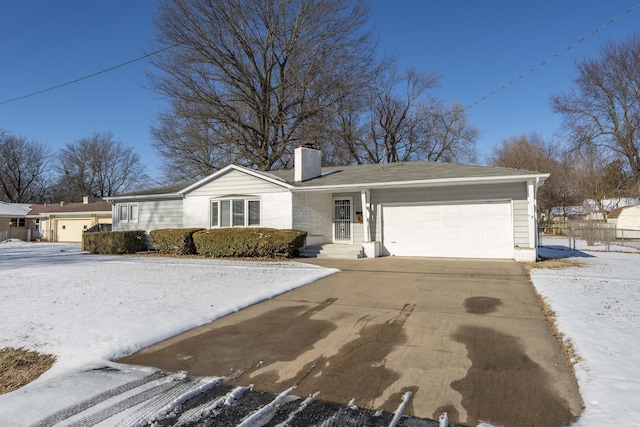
{"points": [[342, 224]]}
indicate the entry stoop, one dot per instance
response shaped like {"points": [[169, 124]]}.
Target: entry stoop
{"points": [[330, 250]]}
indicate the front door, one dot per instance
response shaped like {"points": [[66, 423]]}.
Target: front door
{"points": [[342, 225]]}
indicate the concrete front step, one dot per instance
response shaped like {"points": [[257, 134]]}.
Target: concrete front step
{"points": [[332, 251]]}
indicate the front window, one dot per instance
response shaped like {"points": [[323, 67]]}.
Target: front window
{"points": [[128, 212], [18, 222], [235, 213]]}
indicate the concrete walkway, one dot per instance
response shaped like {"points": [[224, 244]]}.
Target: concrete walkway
{"points": [[466, 337]]}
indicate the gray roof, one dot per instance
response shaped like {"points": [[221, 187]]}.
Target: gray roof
{"points": [[372, 174], [399, 172]]}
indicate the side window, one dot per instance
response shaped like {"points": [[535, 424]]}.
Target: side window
{"points": [[128, 212], [133, 212]]}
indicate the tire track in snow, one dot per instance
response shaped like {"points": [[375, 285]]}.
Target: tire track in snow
{"points": [[129, 402], [93, 401]]}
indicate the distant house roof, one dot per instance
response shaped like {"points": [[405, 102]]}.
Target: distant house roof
{"points": [[371, 175], [612, 203], [70, 208], [14, 209], [615, 213]]}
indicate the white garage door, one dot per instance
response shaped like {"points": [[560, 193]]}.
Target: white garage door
{"points": [[476, 230], [70, 230]]}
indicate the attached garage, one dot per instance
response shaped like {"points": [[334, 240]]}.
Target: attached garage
{"points": [[70, 230], [460, 230]]}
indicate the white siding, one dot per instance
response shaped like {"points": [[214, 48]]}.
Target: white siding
{"points": [[235, 183], [312, 213], [275, 200], [276, 210], [153, 215]]}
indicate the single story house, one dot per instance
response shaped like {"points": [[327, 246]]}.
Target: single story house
{"points": [[626, 220], [404, 209], [13, 221], [65, 222]]}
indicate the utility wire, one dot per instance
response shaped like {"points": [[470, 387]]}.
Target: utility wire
{"points": [[546, 61], [106, 70], [501, 88]]}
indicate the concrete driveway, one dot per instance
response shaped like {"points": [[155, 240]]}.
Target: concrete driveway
{"points": [[466, 337]]}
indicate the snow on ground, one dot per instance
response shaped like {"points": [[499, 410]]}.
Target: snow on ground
{"points": [[598, 308], [89, 309]]}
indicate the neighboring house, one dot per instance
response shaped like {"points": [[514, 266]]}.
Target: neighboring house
{"points": [[65, 222], [404, 209], [13, 221], [590, 209], [626, 221]]}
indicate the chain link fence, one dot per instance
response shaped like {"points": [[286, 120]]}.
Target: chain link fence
{"points": [[592, 232]]}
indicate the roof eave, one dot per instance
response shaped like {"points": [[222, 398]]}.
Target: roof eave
{"points": [[427, 183], [143, 197]]}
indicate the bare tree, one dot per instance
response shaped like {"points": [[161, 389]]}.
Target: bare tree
{"points": [[246, 78], [534, 154], [598, 176], [396, 106], [98, 165], [445, 136], [603, 110], [24, 169]]}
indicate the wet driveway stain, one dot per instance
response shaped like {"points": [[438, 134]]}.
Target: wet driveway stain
{"points": [[481, 305], [504, 386], [358, 369], [281, 334]]}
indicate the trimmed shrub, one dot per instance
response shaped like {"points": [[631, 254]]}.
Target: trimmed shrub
{"points": [[248, 242], [115, 242], [174, 242]]}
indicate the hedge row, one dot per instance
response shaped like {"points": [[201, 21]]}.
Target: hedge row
{"points": [[248, 242], [174, 242], [115, 242]]}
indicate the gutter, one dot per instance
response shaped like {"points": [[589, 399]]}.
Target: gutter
{"points": [[445, 182]]}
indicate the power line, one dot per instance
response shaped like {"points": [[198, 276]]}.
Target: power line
{"points": [[546, 61], [106, 70], [501, 88]]}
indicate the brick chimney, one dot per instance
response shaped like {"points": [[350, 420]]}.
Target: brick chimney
{"points": [[307, 163]]}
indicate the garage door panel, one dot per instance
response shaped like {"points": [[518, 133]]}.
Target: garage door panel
{"points": [[70, 230], [472, 230]]}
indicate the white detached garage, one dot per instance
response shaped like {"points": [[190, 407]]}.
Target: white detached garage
{"points": [[421, 209]]}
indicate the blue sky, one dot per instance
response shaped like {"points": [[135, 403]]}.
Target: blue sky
{"points": [[475, 46]]}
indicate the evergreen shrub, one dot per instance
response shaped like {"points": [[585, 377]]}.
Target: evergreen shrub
{"points": [[174, 241], [248, 242], [115, 242]]}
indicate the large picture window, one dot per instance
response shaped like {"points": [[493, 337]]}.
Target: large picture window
{"points": [[128, 212], [235, 213]]}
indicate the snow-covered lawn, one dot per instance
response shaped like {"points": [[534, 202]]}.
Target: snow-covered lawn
{"points": [[89, 309], [598, 308]]}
